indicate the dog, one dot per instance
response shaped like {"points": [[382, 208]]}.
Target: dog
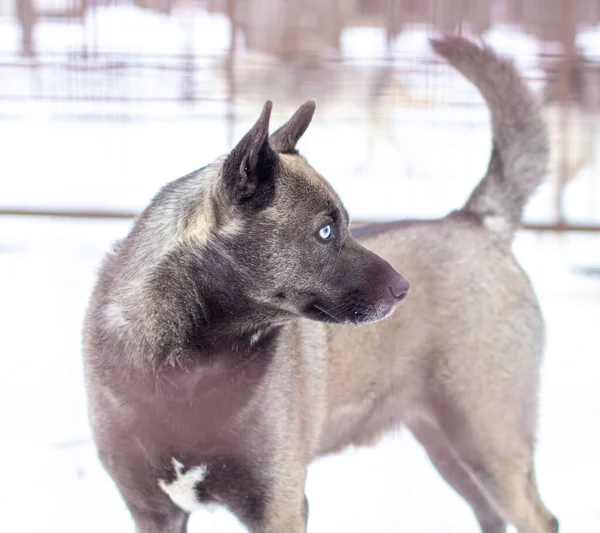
{"points": [[573, 145], [220, 347]]}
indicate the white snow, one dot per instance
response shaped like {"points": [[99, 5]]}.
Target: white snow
{"points": [[121, 153], [47, 268]]}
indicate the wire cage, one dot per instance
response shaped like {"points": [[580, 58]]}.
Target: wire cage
{"points": [[139, 69]]}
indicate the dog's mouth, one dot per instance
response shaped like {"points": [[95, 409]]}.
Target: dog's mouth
{"points": [[348, 313], [353, 309], [318, 312]]}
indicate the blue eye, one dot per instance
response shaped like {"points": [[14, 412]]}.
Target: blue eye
{"points": [[325, 232]]}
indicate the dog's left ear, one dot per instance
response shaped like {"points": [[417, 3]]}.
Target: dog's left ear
{"points": [[251, 164], [285, 138]]}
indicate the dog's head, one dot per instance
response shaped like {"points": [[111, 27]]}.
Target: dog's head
{"points": [[281, 235]]}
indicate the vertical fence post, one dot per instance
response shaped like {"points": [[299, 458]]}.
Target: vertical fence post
{"points": [[188, 86], [27, 17], [568, 39], [231, 13]]}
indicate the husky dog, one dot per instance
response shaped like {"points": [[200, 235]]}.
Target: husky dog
{"points": [[219, 357], [576, 140]]}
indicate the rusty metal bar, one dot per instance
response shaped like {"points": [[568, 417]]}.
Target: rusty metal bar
{"points": [[126, 215], [83, 54], [561, 227], [110, 65], [68, 213], [189, 64], [107, 99], [528, 226], [26, 12], [568, 39], [231, 95]]}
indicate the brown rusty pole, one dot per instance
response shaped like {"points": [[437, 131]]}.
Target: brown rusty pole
{"points": [[188, 88], [108, 215], [389, 30], [461, 20], [338, 24], [231, 13], [568, 39], [27, 18]]}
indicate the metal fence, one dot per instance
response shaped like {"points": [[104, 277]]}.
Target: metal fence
{"points": [[291, 49]]}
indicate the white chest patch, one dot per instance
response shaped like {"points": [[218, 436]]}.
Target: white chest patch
{"points": [[182, 490]]}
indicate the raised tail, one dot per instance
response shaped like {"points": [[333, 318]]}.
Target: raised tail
{"points": [[519, 157]]}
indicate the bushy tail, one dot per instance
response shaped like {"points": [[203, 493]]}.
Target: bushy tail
{"points": [[520, 142]]}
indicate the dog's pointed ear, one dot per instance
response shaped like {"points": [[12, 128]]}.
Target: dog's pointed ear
{"points": [[284, 140], [252, 162]]}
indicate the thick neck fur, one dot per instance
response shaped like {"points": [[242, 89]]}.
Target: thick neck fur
{"points": [[180, 286], [173, 290]]}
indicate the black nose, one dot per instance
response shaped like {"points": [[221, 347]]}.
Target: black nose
{"points": [[399, 287]]}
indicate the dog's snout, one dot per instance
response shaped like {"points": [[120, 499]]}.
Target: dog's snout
{"points": [[399, 288]]}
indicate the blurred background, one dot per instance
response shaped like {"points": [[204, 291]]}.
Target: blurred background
{"points": [[104, 101]]}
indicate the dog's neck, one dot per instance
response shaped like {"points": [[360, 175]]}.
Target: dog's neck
{"points": [[175, 311], [164, 299]]}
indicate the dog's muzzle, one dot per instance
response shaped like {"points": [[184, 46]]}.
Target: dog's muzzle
{"points": [[399, 287]]}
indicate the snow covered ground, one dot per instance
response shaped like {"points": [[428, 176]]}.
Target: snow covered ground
{"points": [[55, 483], [117, 155]]}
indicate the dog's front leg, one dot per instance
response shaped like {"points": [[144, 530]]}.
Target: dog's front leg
{"points": [[286, 509]]}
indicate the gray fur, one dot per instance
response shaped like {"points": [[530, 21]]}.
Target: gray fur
{"points": [[218, 358], [520, 157]]}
